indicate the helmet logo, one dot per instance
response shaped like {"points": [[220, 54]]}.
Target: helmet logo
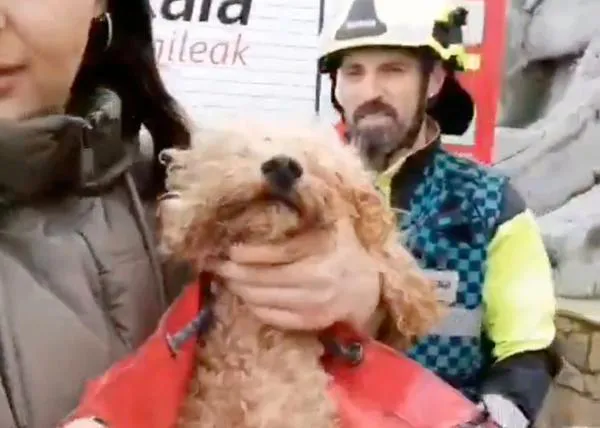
{"points": [[362, 21]]}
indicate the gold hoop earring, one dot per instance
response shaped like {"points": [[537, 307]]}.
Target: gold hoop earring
{"points": [[109, 30], [102, 31]]}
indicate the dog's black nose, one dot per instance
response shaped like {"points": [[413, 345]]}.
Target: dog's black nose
{"points": [[281, 173]]}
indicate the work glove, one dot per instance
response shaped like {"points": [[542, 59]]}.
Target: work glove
{"points": [[504, 412]]}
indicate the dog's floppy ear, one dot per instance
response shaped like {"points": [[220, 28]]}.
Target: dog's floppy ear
{"points": [[183, 235], [171, 208], [374, 222], [409, 296]]}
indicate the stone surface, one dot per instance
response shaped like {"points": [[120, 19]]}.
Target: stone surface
{"points": [[574, 399], [566, 408], [572, 378], [576, 311], [576, 349], [592, 386], [565, 325], [568, 21], [595, 352], [549, 131]]}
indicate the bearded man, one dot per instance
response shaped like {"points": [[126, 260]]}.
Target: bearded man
{"points": [[392, 65]]}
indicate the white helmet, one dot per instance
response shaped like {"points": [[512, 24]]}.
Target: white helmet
{"points": [[433, 24]]}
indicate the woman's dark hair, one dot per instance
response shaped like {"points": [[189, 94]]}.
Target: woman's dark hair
{"points": [[128, 66]]}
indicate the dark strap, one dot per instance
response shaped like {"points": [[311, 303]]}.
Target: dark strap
{"points": [[203, 321], [352, 351]]}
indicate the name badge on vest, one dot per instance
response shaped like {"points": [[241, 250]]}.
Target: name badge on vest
{"points": [[446, 282]]}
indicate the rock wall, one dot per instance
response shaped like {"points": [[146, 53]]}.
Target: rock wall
{"points": [[548, 138], [574, 400], [548, 141]]}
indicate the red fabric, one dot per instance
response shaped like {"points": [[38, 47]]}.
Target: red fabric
{"points": [[485, 84], [145, 389], [386, 390]]}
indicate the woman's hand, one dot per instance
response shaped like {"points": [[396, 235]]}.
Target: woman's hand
{"points": [[339, 281]]}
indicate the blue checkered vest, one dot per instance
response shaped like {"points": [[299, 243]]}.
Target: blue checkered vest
{"points": [[453, 214]]}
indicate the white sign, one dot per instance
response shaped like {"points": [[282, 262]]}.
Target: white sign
{"points": [[257, 57], [239, 56]]}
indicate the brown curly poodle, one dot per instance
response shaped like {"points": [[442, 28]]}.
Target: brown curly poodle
{"points": [[259, 184]]}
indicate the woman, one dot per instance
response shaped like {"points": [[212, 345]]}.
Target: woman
{"points": [[80, 284]]}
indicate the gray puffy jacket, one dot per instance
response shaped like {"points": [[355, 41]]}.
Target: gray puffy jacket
{"points": [[80, 284]]}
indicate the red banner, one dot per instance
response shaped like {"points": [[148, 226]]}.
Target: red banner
{"points": [[486, 35]]}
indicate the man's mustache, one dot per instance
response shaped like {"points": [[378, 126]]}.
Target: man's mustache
{"points": [[374, 107]]}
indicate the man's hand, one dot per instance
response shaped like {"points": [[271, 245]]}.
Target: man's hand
{"points": [[503, 412], [308, 283], [86, 423]]}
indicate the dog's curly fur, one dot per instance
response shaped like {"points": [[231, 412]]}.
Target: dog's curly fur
{"points": [[250, 375]]}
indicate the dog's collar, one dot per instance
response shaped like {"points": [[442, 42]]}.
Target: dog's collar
{"points": [[339, 341], [205, 319]]}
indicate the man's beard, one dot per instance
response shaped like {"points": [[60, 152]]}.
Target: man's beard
{"points": [[378, 143]]}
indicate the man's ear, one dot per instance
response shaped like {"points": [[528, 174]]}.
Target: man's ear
{"points": [[436, 80]]}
